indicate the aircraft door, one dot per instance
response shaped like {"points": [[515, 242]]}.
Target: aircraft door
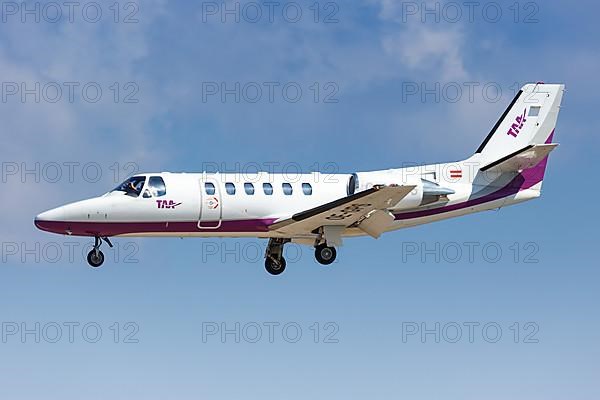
{"points": [[210, 205]]}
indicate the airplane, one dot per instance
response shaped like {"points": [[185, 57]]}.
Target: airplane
{"points": [[317, 209]]}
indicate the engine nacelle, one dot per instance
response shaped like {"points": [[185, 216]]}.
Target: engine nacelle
{"points": [[424, 193], [366, 180]]}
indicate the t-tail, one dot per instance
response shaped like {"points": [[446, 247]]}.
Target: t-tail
{"points": [[523, 136]]}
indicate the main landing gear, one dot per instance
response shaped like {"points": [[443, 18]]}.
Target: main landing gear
{"points": [[95, 257], [325, 254], [274, 261]]}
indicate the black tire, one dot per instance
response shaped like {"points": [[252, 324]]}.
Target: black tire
{"points": [[324, 254], [275, 266], [95, 260]]}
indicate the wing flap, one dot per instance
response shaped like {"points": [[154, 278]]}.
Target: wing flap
{"points": [[376, 223], [343, 212]]}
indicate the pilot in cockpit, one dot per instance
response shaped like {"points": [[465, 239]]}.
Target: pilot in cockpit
{"points": [[136, 187], [132, 186]]}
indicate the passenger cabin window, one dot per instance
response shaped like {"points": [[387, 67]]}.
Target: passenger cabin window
{"points": [[307, 189], [268, 189], [287, 189], [209, 188], [156, 187], [132, 186], [249, 188], [230, 188]]}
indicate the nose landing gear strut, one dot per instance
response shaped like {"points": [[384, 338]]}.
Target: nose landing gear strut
{"points": [[95, 257]]}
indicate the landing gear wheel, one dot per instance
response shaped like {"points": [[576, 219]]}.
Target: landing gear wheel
{"points": [[95, 258], [324, 254], [275, 266], [274, 261]]}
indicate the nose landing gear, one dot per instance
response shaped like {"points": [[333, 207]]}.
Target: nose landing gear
{"points": [[95, 257]]}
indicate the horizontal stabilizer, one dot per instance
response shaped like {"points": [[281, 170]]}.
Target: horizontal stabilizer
{"points": [[527, 157]]}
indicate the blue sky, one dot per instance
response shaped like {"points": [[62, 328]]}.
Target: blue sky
{"points": [[155, 114]]}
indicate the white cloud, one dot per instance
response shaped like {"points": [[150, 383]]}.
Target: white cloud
{"points": [[105, 132], [435, 48], [438, 51]]}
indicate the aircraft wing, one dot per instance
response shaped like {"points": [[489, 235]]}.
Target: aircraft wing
{"points": [[371, 204], [527, 157]]}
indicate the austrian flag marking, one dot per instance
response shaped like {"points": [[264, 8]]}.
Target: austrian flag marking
{"points": [[456, 173]]}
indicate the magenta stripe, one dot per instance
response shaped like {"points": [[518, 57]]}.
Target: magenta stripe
{"points": [[122, 228], [523, 181], [526, 179]]}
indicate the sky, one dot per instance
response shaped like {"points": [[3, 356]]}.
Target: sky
{"points": [[496, 305]]}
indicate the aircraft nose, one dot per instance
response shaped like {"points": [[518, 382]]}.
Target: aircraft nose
{"points": [[51, 215], [46, 220]]}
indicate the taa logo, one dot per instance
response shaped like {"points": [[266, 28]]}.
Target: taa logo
{"points": [[516, 127], [166, 204]]}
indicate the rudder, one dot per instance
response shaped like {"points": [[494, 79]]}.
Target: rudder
{"points": [[529, 120]]}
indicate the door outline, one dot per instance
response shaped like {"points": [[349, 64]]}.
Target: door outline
{"points": [[210, 206]]}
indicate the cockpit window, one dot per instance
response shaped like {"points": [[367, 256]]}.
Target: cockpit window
{"points": [[157, 186], [132, 186]]}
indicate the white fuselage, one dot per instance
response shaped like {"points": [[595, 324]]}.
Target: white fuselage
{"points": [[203, 204], [319, 209]]}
